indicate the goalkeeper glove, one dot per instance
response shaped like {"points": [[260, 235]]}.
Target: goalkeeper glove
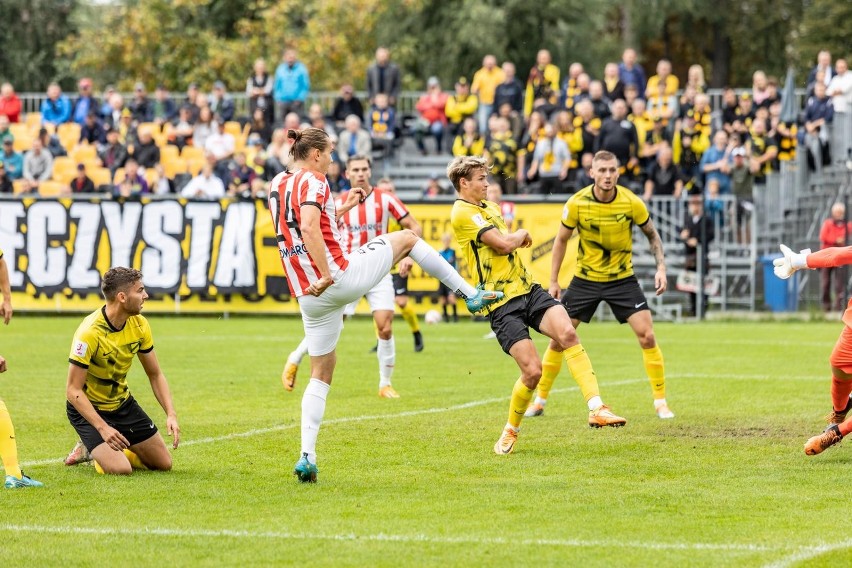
{"points": [[790, 262]]}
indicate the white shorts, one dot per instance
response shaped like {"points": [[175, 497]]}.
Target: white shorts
{"points": [[380, 297], [322, 316]]}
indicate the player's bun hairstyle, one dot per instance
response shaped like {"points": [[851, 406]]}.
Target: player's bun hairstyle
{"points": [[117, 280], [463, 167], [303, 141]]}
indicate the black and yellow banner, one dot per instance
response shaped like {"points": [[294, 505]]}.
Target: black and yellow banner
{"points": [[196, 256]]}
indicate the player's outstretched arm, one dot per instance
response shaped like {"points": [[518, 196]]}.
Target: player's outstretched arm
{"points": [[353, 197], [828, 258], [660, 281], [312, 236], [160, 386], [557, 255], [78, 399]]}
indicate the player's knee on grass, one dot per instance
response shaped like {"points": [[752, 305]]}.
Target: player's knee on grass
{"points": [[111, 461]]}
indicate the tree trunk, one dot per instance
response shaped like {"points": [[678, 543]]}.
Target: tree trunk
{"points": [[721, 56], [628, 37]]}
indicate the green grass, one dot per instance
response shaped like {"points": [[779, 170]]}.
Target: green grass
{"points": [[414, 481]]}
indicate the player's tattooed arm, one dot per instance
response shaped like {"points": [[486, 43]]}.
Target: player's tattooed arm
{"points": [[655, 243]]}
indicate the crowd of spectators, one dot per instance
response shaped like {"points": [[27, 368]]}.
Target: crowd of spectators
{"points": [[538, 134]]}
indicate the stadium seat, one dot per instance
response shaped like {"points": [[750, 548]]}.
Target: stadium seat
{"points": [[194, 165], [23, 143], [69, 135], [64, 169], [233, 128], [169, 151], [33, 121], [192, 153], [173, 166], [51, 188], [83, 153], [18, 186], [19, 129], [152, 177], [99, 176], [119, 176]]}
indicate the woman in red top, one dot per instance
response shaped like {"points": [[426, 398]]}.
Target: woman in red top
{"points": [[432, 119], [10, 104]]}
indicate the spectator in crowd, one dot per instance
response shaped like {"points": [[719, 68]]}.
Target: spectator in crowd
{"points": [[277, 153], [643, 123], [347, 103], [698, 230], [6, 185], [618, 135], [501, 153], [85, 103], [206, 185], [571, 89], [587, 124], [113, 154], [5, 132], [192, 100], [763, 149], [241, 178], [581, 90], [484, 87], [382, 124], [551, 162], [292, 85], [469, 142], [221, 145], [565, 131], [126, 130], [542, 82], [526, 149], [515, 120], [689, 145], [134, 183], [655, 138], [260, 128], [140, 105], [743, 115], [600, 103], [10, 104], [695, 78], [612, 84], [259, 91], [511, 90], [51, 143], [221, 102], [81, 182], [661, 104], [686, 101], [664, 177], [145, 151], [336, 180], [353, 140], [664, 76], [834, 233], [742, 182], [823, 66], [702, 113], [631, 72], [13, 161], [840, 91], [203, 127], [56, 108], [584, 176], [383, 77], [716, 162], [631, 94], [759, 87], [433, 119], [106, 103], [784, 132], [38, 166], [163, 109], [182, 131], [112, 117], [316, 118], [819, 113], [434, 188], [460, 106], [730, 102], [92, 133]]}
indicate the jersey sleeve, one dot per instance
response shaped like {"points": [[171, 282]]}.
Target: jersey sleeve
{"points": [[640, 210], [396, 208], [83, 347], [570, 214], [468, 225], [147, 337], [830, 257], [314, 191]]}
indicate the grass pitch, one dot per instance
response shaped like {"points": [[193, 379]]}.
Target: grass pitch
{"points": [[414, 482]]}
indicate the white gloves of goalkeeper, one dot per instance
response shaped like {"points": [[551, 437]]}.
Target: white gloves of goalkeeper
{"points": [[790, 262]]}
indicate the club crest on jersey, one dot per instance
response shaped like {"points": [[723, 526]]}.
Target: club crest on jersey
{"points": [[80, 348], [287, 252]]}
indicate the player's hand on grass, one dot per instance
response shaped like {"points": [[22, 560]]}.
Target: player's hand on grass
{"points": [[174, 430], [405, 266], [555, 290], [113, 438], [790, 262], [320, 286], [660, 282]]}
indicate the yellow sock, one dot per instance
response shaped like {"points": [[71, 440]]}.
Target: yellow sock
{"points": [[98, 467], [8, 446], [410, 317], [521, 397], [551, 364], [654, 367], [581, 369], [134, 460]]}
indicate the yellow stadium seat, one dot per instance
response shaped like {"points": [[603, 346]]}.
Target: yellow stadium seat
{"points": [[99, 176], [52, 188], [152, 177], [192, 153], [18, 186], [233, 128], [173, 167], [22, 143], [119, 176], [64, 169], [168, 152], [71, 129], [33, 121], [194, 165], [19, 129], [83, 153]]}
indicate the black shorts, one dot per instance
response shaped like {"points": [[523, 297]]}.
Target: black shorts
{"points": [[400, 285], [129, 419], [511, 321], [444, 290], [625, 298]]}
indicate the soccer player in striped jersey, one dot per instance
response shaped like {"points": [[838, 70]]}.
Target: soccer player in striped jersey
{"points": [[361, 224], [841, 356], [15, 478], [324, 278]]}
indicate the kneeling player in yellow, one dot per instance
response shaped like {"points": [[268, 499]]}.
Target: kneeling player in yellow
{"points": [[490, 251], [111, 424]]}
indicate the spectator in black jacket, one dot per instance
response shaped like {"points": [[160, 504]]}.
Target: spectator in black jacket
{"points": [[347, 103], [113, 154], [82, 183], [5, 183], [220, 103], [163, 108], [383, 77], [618, 135], [140, 106], [511, 90], [92, 132], [697, 230], [145, 151]]}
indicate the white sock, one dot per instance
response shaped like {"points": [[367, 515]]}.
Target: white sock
{"points": [[434, 264], [540, 401], [386, 353], [313, 407], [296, 356], [595, 402], [514, 429], [658, 402]]}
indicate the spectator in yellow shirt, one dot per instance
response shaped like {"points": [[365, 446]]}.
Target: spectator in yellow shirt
{"points": [[664, 75], [460, 106], [542, 82], [484, 85]]}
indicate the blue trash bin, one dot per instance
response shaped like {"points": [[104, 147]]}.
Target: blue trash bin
{"points": [[779, 295]]}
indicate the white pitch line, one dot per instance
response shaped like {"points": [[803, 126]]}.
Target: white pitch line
{"points": [[392, 538], [809, 553]]}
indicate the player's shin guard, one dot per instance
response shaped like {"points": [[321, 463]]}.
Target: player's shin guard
{"points": [[313, 408], [8, 446], [435, 265], [521, 397], [386, 353], [581, 369], [655, 368], [551, 364]]}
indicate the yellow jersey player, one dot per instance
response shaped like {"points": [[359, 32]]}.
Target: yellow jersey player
{"points": [[490, 251], [604, 214], [112, 426], [15, 478]]}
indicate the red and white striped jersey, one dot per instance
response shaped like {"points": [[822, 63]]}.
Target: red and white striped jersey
{"points": [[288, 193], [369, 219]]}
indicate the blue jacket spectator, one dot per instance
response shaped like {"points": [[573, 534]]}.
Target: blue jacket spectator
{"points": [[85, 103], [56, 108], [292, 84], [631, 73], [13, 161], [717, 162], [221, 104]]}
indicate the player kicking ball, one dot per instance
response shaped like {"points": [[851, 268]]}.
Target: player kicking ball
{"points": [[841, 357], [490, 251]]}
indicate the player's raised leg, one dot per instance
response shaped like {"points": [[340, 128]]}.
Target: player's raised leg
{"points": [[294, 359], [525, 355], [652, 357]]}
